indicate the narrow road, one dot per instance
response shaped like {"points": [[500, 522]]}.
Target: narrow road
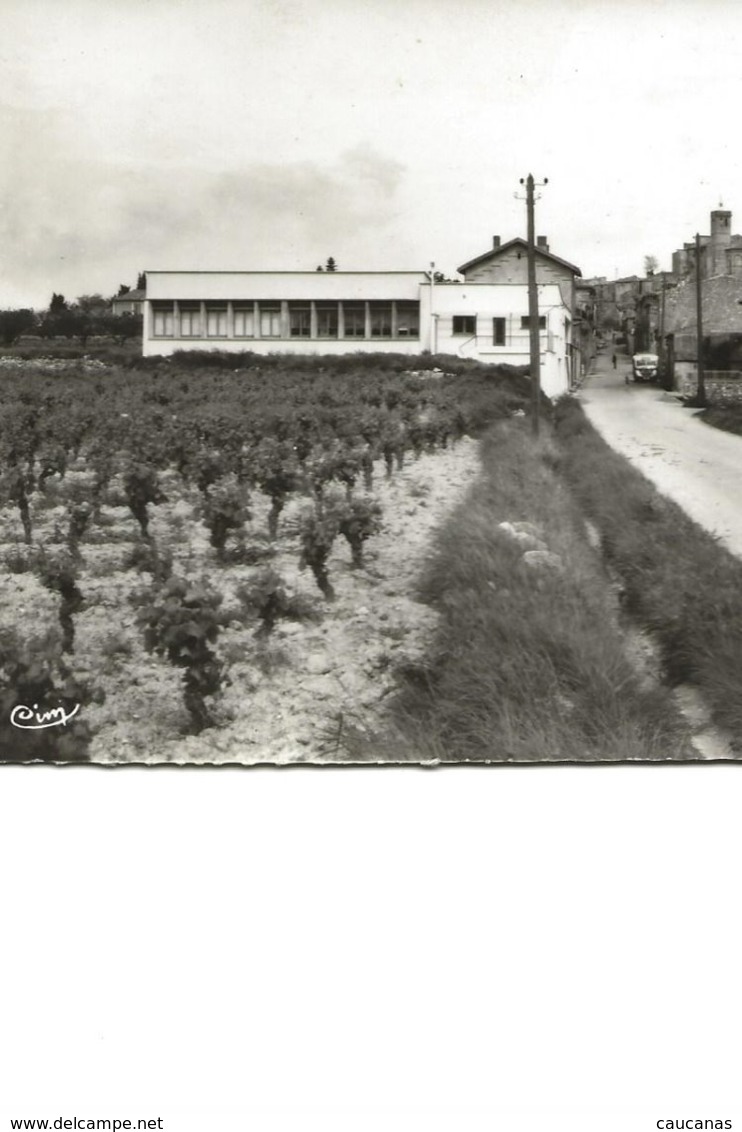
{"points": [[697, 466]]}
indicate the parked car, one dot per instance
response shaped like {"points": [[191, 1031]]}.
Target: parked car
{"points": [[644, 367]]}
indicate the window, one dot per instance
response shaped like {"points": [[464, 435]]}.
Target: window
{"points": [[190, 320], [216, 321], [381, 320], [354, 320], [327, 320], [300, 320], [270, 320], [525, 322], [498, 331], [408, 320], [162, 320], [464, 324], [244, 322]]}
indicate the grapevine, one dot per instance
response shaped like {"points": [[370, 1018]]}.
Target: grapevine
{"points": [[180, 621], [141, 488]]}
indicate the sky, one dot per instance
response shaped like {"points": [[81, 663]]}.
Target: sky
{"points": [[270, 134]]}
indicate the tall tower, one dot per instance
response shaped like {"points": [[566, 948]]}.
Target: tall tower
{"points": [[721, 235]]}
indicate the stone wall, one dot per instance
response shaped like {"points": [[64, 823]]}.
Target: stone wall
{"points": [[720, 390], [722, 307]]}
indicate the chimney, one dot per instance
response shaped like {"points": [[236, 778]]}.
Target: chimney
{"points": [[543, 243], [495, 241]]}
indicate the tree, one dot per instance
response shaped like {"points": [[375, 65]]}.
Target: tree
{"points": [[651, 263], [331, 265], [94, 305], [60, 323], [76, 321], [142, 281], [123, 290], [121, 326], [58, 304], [14, 323]]}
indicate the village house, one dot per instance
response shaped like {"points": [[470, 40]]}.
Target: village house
{"points": [[131, 302], [720, 263], [484, 316]]}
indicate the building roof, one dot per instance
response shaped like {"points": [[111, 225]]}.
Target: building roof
{"points": [[136, 294], [518, 241], [242, 271]]}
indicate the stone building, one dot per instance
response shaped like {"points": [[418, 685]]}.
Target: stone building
{"points": [[720, 252], [721, 305]]}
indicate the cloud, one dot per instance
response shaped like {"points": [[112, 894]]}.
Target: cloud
{"points": [[70, 222]]}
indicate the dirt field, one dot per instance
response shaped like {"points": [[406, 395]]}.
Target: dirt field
{"points": [[289, 696]]}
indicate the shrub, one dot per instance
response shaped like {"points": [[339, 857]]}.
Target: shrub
{"points": [[34, 676], [357, 520], [180, 621], [15, 485], [59, 574], [318, 533], [265, 596], [147, 557], [225, 509], [80, 514], [141, 488]]}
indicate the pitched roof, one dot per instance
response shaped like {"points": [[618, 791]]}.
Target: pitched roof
{"points": [[136, 294], [494, 252]]}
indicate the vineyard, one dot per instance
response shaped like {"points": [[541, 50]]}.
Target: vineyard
{"points": [[182, 541]]}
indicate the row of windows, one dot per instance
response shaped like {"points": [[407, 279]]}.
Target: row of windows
{"points": [[286, 320], [467, 324]]}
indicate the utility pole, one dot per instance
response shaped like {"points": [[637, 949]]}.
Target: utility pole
{"points": [[701, 390], [535, 339], [433, 326], [661, 343]]}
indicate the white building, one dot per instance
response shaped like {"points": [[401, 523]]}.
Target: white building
{"points": [[485, 317], [129, 303]]}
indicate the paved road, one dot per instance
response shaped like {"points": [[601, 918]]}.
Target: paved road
{"points": [[698, 466]]}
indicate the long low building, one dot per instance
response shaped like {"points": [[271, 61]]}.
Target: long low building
{"points": [[485, 317]]}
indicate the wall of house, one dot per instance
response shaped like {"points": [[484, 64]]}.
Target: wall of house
{"points": [[232, 291], [126, 306], [277, 285], [721, 306], [511, 266], [486, 302]]}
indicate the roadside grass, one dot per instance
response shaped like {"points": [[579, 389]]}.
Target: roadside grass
{"points": [[726, 417], [679, 581], [529, 663]]}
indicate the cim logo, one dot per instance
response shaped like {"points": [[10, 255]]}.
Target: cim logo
{"points": [[31, 719]]}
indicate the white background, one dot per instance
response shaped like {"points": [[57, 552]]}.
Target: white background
{"points": [[400, 950], [393, 949]]}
